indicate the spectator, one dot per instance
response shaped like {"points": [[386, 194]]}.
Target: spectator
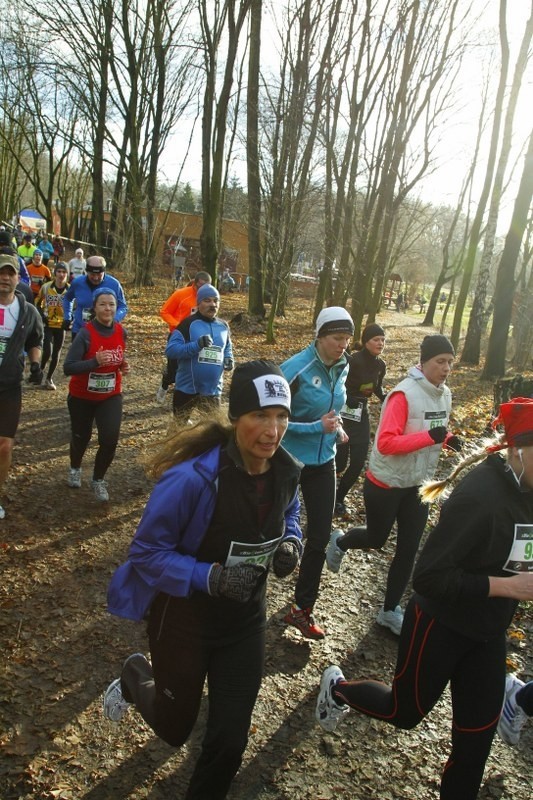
{"points": [[82, 289], [178, 306], [201, 345], [224, 510], [21, 330]]}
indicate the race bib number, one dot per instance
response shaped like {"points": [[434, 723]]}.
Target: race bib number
{"points": [[354, 414], [86, 314], [521, 555], [102, 382], [211, 355], [259, 553]]}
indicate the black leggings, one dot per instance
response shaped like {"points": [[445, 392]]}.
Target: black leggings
{"points": [[356, 450], [184, 654], [185, 403], [52, 345], [384, 507], [108, 415], [430, 656], [318, 491]]}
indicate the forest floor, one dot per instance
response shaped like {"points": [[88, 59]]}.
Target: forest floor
{"points": [[58, 549]]}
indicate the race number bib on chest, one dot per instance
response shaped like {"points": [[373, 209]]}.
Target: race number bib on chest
{"points": [[260, 553], [521, 555], [102, 382], [354, 413], [211, 355]]}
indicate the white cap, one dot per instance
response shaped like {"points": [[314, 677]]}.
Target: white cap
{"points": [[334, 320]]}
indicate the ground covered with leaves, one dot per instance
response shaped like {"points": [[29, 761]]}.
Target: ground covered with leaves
{"points": [[58, 549]]}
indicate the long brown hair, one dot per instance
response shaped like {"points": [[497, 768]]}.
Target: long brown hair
{"points": [[185, 441]]}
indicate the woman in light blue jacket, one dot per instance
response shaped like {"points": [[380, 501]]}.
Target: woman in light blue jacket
{"points": [[317, 377]]}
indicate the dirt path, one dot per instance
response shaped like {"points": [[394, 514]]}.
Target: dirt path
{"points": [[57, 552]]}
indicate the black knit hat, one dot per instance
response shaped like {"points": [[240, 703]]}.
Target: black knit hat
{"points": [[370, 331], [435, 345], [255, 385]]}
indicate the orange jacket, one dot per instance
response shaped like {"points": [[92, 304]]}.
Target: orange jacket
{"points": [[178, 306], [38, 275]]}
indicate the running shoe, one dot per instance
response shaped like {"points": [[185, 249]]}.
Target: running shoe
{"points": [[2, 513], [303, 619], [100, 491], [328, 712], [74, 478], [340, 509], [115, 707], [513, 718], [334, 554], [393, 620], [161, 396], [49, 384]]}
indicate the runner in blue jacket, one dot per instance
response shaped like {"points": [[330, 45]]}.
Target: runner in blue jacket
{"points": [[224, 511], [201, 344], [317, 377], [81, 290]]}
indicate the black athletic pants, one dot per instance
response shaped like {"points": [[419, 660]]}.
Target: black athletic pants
{"points": [[107, 414], [318, 491], [355, 451], [384, 507], [52, 346], [430, 656], [185, 652]]}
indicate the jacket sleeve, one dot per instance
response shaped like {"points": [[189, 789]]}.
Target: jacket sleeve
{"points": [[68, 297], [463, 528], [290, 370], [392, 441], [169, 308], [75, 362], [293, 532], [154, 550], [228, 350], [178, 348], [122, 308]]}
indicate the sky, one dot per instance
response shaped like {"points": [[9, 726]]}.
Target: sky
{"points": [[453, 151]]}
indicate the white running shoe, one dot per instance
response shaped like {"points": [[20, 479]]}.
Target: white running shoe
{"points": [[334, 554], [328, 712], [100, 491], [393, 620], [2, 513], [161, 396], [115, 707], [49, 384], [74, 478], [513, 718]]}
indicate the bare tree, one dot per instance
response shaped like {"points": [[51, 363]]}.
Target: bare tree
{"points": [[505, 278], [478, 315]]}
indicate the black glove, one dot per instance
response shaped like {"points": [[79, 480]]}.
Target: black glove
{"points": [[285, 559], [438, 434], [235, 583], [204, 341], [228, 364], [36, 373], [455, 443], [66, 325]]}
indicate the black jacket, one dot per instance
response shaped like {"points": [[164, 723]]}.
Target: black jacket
{"points": [[472, 541], [365, 376], [28, 333]]}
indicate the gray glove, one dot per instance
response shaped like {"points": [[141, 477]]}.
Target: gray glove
{"points": [[204, 341], [236, 583], [285, 559]]}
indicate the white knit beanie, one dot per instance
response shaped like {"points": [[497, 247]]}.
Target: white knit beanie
{"points": [[333, 320]]}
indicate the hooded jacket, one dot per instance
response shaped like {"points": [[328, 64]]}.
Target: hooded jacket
{"points": [[28, 333]]}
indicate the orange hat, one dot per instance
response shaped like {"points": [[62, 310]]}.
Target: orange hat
{"points": [[516, 416]]}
